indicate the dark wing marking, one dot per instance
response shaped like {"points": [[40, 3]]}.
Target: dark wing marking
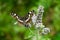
{"points": [[17, 17], [30, 14]]}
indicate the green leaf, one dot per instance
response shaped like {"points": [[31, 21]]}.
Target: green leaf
{"points": [[28, 34]]}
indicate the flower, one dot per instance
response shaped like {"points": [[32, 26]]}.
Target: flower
{"points": [[45, 30], [34, 17], [39, 25], [40, 9]]}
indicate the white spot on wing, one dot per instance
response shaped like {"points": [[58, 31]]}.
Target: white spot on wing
{"points": [[20, 20], [14, 14], [30, 12], [28, 19], [17, 17]]}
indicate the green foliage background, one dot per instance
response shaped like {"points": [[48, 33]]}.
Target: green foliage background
{"points": [[9, 31]]}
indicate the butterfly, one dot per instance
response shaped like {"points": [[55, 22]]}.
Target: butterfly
{"points": [[24, 20]]}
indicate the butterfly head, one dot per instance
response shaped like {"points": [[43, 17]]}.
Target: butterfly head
{"points": [[31, 13]]}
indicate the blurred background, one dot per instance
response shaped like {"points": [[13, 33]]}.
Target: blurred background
{"points": [[9, 30]]}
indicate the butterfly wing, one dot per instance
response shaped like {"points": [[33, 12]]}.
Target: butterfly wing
{"points": [[23, 20], [30, 14], [17, 17]]}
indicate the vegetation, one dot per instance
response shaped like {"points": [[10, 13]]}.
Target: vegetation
{"points": [[11, 31]]}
